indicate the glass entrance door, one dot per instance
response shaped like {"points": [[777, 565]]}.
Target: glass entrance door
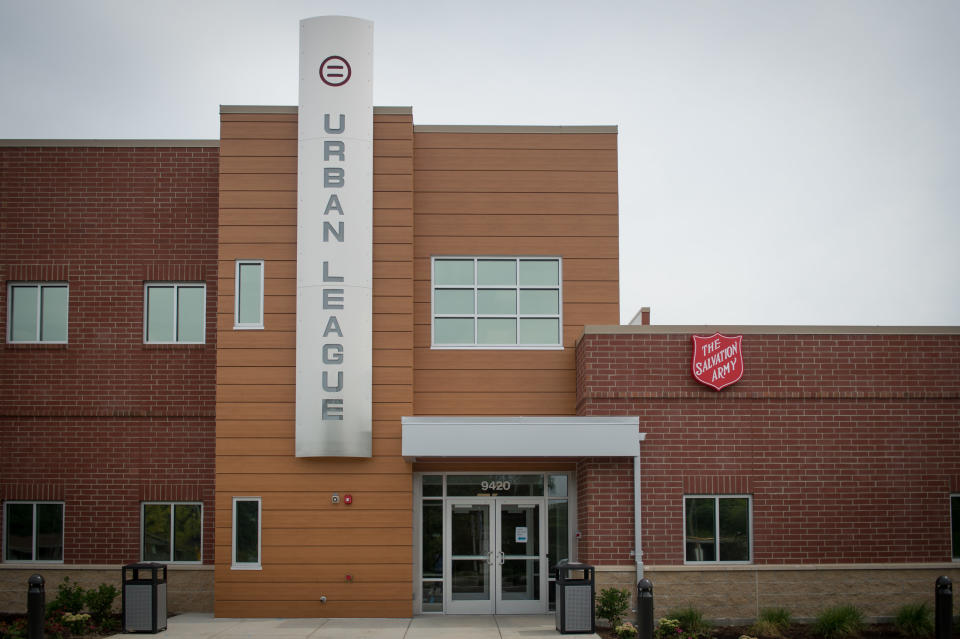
{"points": [[521, 565], [495, 556]]}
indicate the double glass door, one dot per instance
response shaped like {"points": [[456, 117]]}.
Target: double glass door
{"points": [[496, 556]]}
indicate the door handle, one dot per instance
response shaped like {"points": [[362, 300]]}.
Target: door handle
{"points": [[500, 557], [490, 557]]}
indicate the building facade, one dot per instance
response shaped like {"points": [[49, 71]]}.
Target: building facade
{"points": [[318, 388]]}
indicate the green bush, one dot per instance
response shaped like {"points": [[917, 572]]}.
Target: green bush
{"points": [[914, 621], [612, 605], [772, 622], [691, 621], [70, 598], [839, 622], [100, 603], [668, 628]]}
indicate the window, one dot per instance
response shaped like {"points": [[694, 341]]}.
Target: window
{"points": [[174, 313], [955, 524], [33, 531], [37, 312], [497, 302], [716, 528], [172, 532], [248, 295], [246, 533]]}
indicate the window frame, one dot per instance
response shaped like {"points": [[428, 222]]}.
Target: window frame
{"points": [[237, 324], [476, 315], [33, 533], [716, 529], [247, 565], [39, 285], [176, 300], [171, 504], [954, 523]]}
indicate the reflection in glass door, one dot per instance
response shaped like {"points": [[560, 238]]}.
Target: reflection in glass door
{"points": [[519, 560], [470, 557]]}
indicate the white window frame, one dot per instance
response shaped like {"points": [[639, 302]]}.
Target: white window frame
{"points": [[237, 324], [234, 564], [176, 287], [716, 528], [954, 517], [33, 534], [171, 504], [475, 315], [39, 286]]}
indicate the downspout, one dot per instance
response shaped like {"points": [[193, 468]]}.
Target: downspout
{"points": [[637, 534]]}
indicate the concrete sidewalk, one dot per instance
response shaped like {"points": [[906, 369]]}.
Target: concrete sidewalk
{"points": [[204, 626]]}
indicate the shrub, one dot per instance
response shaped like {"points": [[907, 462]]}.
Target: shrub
{"points": [[100, 603], [691, 621], [626, 630], [70, 598], [16, 629], [668, 628], [78, 624], [839, 622], [612, 605], [914, 621], [772, 622], [779, 617]]}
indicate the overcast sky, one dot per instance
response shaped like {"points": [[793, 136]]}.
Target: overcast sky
{"points": [[780, 162]]}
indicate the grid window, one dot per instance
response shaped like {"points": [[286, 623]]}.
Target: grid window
{"points": [[33, 531], [175, 313], [716, 529], [246, 533], [248, 295], [37, 312], [955, 524], [172, 532], [497, 302]]}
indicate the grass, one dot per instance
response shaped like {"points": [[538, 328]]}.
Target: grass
{"points": [[691, 620], [839, 622], [914, 621], [772, 622]]}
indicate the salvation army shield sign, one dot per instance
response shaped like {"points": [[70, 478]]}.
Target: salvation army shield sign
{"points": [[717, 360]]}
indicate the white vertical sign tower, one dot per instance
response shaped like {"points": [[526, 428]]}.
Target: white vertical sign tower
{"points": [[335, 238]]}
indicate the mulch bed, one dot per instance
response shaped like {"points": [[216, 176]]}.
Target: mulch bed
{"points": [[796, 631]]}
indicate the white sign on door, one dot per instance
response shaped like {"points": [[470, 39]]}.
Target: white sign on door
{"points": [[521, 534]]}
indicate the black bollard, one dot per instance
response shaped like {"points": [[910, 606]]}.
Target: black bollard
{"points": [[943, 614], [36, 606], [644, 609]]}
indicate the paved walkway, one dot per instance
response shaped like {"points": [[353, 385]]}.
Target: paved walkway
{"points": [[204, 626]]}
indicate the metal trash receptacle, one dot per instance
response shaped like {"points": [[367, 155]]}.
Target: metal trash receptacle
{"points": [[144, 598], [575, 594]]}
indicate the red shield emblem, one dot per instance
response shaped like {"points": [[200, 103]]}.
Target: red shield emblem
{"points": [[717, 360]]}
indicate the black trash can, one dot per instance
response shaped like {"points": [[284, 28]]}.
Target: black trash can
{"points": [[144, 598], [575, 594]]}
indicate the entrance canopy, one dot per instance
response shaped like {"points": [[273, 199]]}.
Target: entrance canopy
{"points": [[521, 437]]}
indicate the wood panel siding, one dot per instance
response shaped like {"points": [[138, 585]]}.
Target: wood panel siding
{"points": [[305, 538], [514, 194]]}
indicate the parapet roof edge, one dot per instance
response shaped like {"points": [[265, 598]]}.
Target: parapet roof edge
{"points": [[498, 128], [664, 329], [265, 108], [111, 143]]}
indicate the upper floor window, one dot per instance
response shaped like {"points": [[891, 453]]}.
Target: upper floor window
{"points": [[175, 313], [717, 528], [497, 302], [33, 531], [172, 532], [37, 312], [248, 295]]}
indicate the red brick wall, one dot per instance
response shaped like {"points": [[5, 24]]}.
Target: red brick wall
{"points": [[106, 421], [849, 444]]}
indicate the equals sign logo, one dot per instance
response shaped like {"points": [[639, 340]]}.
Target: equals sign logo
{"points": [[335, 71]]}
